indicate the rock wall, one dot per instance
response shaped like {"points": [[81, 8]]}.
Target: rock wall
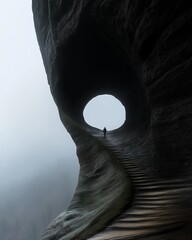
{"points": [[136, 183]]}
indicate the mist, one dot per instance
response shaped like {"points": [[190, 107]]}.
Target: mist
{"points": [[38, 163]]}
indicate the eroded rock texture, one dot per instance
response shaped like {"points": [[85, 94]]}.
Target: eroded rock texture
{"points": [[136, 183]]}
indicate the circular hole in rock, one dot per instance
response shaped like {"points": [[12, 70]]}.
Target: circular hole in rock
{"points": [[105, 111]]}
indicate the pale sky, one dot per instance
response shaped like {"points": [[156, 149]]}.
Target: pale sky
{"points": [[105, 111], [31, 133]]}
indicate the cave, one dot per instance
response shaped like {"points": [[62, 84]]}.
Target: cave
{"points": [[136, 182]]}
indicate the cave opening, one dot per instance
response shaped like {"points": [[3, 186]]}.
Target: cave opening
{"points": [[105, 111]]}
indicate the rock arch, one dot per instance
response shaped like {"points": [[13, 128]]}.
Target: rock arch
{"points": [[139, 51]]}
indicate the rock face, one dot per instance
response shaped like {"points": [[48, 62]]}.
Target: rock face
{"points": [[136, 183]]}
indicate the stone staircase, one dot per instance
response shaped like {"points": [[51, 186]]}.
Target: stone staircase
{"points": [[158, 206]]}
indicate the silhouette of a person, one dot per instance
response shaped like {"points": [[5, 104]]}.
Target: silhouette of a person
{"points": [[104, 131]]}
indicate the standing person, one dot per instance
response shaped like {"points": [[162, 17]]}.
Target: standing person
{"points": [[104, 131]]}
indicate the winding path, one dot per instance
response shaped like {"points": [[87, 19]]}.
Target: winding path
{"points": [[158, 205]]}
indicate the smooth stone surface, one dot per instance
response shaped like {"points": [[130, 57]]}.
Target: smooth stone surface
{"points": [[140, 52]]}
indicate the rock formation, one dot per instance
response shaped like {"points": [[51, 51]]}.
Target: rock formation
{"points": [[136, 183]]}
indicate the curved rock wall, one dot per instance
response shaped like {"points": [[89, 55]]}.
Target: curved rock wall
{"points": [[136, 183]]}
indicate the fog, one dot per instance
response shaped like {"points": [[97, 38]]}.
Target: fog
{"points": [[38, 163]]}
